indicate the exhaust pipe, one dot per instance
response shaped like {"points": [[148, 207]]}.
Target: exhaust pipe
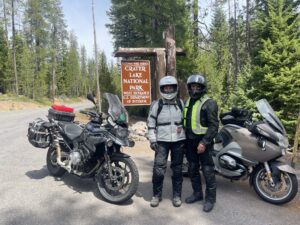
{"points": [[65, 165]]}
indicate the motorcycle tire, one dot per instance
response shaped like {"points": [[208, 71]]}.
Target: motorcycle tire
{"points": [[290, 180], [54, 169], [111, 190]]}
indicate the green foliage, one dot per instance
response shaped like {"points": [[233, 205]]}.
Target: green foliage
{"points": [[276, 74], [140, 23], [46, 52]]}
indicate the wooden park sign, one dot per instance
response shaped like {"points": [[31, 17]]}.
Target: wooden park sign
{"points": [[165, 61], [136, 82]]}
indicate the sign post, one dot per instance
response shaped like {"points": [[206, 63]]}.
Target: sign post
{"points": [[136, 82]]}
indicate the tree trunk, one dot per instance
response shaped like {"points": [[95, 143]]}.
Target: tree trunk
{"points": [[296, 141], [54, 63], [170, 50], [235, 47], [96, 61], [229, 15], [14, 47], [160, 70], [248, 26], [5, 20], [196, 28]]}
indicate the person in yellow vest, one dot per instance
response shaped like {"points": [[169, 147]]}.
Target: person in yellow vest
{"points": [[201, 126]]}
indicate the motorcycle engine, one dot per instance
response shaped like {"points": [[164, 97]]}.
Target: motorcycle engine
{"points": [[79, 156], [75, 158], [228, 162]]}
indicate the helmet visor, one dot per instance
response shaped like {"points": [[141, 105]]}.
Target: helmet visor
{"points": [[168, 89]]}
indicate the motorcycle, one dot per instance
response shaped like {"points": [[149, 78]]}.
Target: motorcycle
{"points": [[244, 149], [91, 150]]}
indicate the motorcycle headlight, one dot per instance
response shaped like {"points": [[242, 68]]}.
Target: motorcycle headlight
{"points": [[122, 132]]}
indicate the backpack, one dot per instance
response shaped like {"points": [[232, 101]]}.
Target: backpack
{"points": [[161, 104]]}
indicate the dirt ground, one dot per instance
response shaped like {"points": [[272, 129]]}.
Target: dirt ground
{"points": [[12, 105]]}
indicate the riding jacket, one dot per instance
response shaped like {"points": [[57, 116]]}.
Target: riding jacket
{"points": [[167, 126]]}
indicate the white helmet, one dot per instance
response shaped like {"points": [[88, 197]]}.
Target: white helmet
{"points": [[168, 81]]}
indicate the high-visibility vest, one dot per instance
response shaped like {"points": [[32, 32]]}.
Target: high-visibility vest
{"points": [[197, 128]]}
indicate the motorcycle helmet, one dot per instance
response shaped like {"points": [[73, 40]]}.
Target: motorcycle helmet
{"points": [[171, 92], [196, 79]]}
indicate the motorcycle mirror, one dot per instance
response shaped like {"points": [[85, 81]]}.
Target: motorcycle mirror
{"points": [[90, 97]]}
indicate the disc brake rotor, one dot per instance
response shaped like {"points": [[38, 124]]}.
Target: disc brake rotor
{"points": [[116, 182], [280, 186]]}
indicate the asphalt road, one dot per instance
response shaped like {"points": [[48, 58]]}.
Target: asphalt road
{"points": [[30, 196]]}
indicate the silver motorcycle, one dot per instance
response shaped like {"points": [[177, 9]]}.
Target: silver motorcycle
{"points": [[252, 150]]}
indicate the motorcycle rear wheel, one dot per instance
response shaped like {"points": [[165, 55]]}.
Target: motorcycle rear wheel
{"points": [[53, 168], [124, 181], [284, 191]]}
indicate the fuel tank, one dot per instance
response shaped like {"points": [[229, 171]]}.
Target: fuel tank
{"points": [[248, 143]]}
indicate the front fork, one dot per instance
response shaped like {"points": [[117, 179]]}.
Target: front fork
{"points": [[269, 174], [107, 160]]}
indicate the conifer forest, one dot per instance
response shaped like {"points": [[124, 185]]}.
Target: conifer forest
{"points": [[247, 49]]}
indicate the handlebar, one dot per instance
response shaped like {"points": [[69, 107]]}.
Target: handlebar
{"points": [[97, 117], [91, 114]]}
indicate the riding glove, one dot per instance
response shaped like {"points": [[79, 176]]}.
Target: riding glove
{"points": [[154, 146]]}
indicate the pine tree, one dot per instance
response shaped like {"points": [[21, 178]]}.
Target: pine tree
{"points": [[276, 74], [106, 84], [36, 31], [83, 70], [73, 76], [58, 36]]}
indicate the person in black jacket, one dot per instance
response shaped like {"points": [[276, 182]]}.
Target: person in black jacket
{"points": [[201, 126]]}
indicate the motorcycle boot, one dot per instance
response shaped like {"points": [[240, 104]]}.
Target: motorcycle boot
{"points": [[196, 196], [210, 199], [196, 184], [176, 201], [210, 191], [177, 186], [155, 201]]}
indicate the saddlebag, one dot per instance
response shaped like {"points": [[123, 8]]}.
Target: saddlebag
{"points": [[61, 113], [38, 135]]}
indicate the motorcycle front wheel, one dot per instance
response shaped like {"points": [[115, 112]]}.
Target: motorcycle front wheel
{"points": [[284, 190], [123, 182]]}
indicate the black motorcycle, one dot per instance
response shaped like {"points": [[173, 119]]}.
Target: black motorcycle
{"points": [[91, 150]]}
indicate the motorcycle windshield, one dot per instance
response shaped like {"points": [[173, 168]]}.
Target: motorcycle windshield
{"points": [[268, 113], [115, 109]]}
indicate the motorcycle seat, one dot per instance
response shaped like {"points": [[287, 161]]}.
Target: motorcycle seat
{"points": [[236, 116], [71, 130]]}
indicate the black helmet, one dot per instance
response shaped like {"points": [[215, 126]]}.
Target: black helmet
{"points": [[196, 79]]}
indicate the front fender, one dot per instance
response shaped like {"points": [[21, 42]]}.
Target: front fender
{"points": [[275, 165], [283, 167]]}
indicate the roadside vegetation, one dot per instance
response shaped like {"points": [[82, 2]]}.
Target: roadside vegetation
{"points": [[248, 50]]}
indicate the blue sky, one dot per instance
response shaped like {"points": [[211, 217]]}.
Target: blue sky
{"points": [[78, 16]]}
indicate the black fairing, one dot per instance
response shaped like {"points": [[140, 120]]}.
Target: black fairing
{"points": [[93, 135]]}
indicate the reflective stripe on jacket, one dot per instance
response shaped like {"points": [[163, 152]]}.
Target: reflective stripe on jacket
{"points": [[197, 128]]}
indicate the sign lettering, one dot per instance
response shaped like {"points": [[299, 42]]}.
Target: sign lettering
{"points": [[136, 82]]}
